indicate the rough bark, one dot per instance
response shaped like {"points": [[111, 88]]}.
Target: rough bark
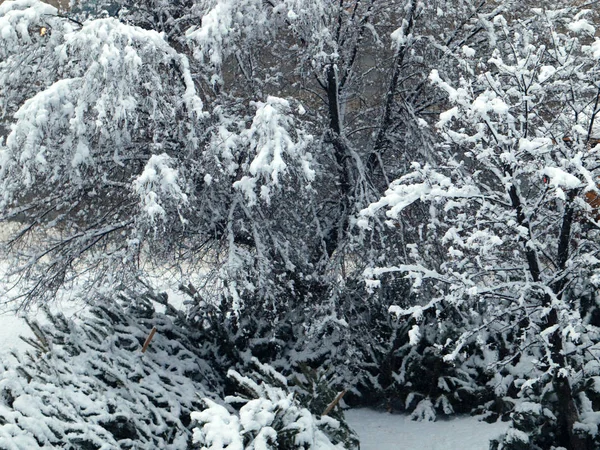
{"points": [[341, 158]]}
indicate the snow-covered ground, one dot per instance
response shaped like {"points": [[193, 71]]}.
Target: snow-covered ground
{"points": [[383, 431], [11, 327]]}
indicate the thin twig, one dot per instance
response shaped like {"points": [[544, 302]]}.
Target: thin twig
{"points": [[148, 339], [335, 401]]}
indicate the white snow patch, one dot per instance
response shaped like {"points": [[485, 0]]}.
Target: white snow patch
{"points": [[447, 116], [546, 72], [560, 178], [534, 145], [414, 335], [383, 431], [582, 26], [157, 182], [594, 49], [468, 51], [13, 325]]}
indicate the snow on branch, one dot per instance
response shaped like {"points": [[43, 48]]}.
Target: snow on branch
{"points": [[20, 21], [38, 117], [560, 178], [270, 138], [424, 184], [157, 184], [86, 385], [224, 22], [121, 88], [121, 53], [272, 417], [276, 148]]}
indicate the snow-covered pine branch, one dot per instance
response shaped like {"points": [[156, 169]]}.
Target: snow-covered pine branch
{"points": [[86, 384]]}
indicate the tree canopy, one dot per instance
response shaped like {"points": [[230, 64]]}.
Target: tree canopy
{"points": [[403, 194]]}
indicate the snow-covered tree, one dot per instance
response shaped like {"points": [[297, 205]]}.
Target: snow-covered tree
{"points": [[238, 141], [510, 211], [233, 139], [92, 135]]}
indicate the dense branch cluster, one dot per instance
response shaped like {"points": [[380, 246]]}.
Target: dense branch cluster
{"points": [[401, 195]]}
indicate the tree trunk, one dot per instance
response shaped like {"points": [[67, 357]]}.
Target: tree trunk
{"points": [[379, 147], [341, 158], [567, 413]]}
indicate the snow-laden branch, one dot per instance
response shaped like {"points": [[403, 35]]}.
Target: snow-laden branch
{"points": [[424, 184], [158, 183]]}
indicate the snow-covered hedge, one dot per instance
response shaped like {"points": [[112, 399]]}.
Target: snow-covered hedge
{"points": [[270, 416], [87, 385]]}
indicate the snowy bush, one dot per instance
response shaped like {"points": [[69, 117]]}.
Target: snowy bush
{"points": [[536, 418], [268, 415], [86, 384]]}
